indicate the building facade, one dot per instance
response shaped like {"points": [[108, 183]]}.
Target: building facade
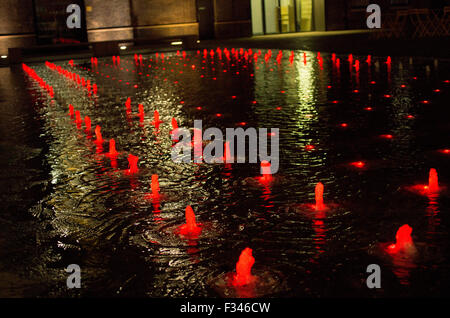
{"points": [[39, 22]]}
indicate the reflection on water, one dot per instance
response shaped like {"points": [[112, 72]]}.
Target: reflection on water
{"points": [[104, 221]]}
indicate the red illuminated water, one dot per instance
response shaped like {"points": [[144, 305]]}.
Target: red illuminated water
{"points": [[266, 172], [156, 121], [98, 134], [358, 164], [244, 266], [174, 123], [78, 117], [403, 241], [128, 104], [244, 211], [191, 228], [319, 197], [227, 152], [112, 148], [155, 187], [433, 185], [132, 164], [87, 122], [432, 188]]}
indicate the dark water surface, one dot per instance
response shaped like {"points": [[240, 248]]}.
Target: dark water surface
{"points": [[64, 202]]}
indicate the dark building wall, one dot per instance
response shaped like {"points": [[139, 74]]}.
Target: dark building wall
{"points": [[108, 20], [164, 18], [336, 15], [16, 24], [353, 13], [127, 19], [232, 18]]}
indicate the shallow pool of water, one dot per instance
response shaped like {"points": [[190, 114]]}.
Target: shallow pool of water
{"points": [[84, 209]]}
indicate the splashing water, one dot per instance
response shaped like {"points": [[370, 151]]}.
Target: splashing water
{"points": [[227, 152], [87, 122], [132, 164], [191, 228], [403, 240], [155, 186], [98, 134], [112, 148], [78, 117], [174, 123], [244, 268], [266, 171], [128, 104], [319, 197], [433, 185]]}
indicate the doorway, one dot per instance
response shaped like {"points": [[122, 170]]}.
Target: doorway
{"points": [[205, 14], [286, 16]]}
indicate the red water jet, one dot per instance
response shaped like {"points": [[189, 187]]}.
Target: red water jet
{"points": [[266, 171], [244, 266], [78, 117], [191, 227], [174, 125], [128, 104], [156, 121], [87, 122], [319, 197], [155, 186], [357, 65], [403, 240], [98, 134], [112, 148], [433, 185], [227, 152], [431, 189], [132, 164], [141, 112]]}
